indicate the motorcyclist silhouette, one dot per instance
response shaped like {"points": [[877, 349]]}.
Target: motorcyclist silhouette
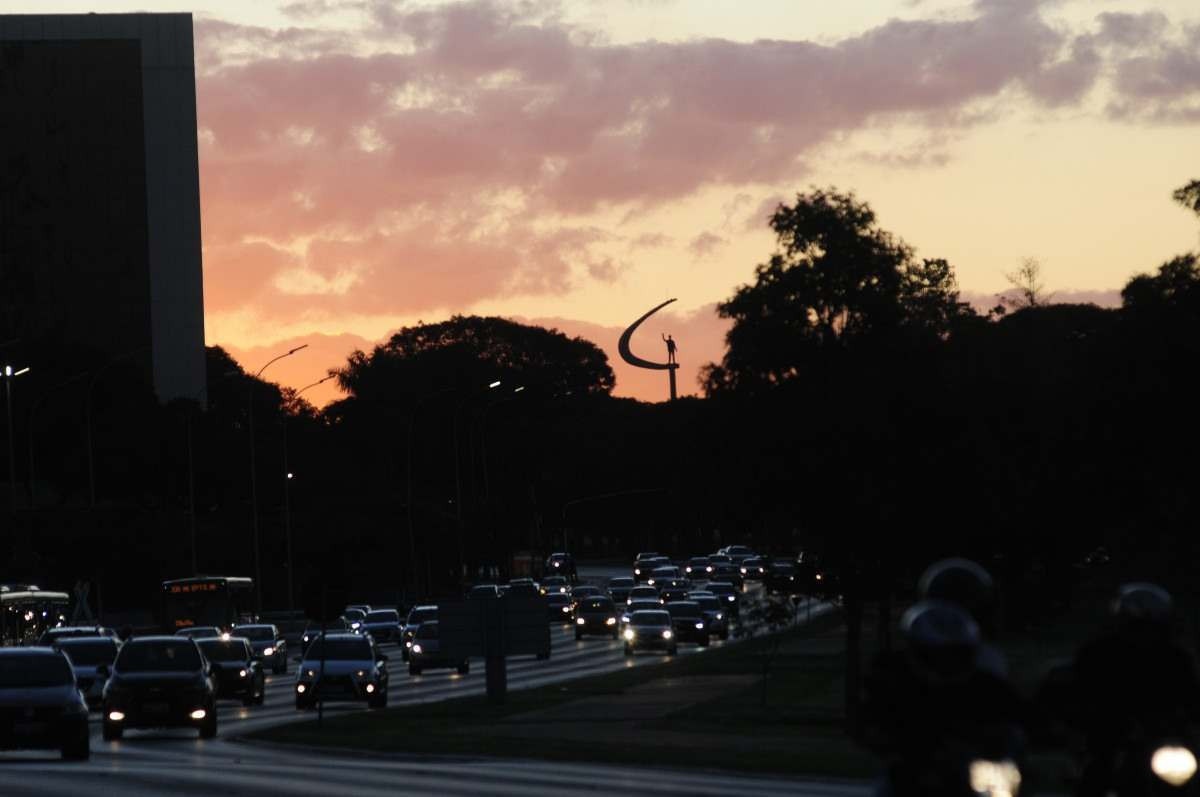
{"points": [[967, 585], [1135, 678]]}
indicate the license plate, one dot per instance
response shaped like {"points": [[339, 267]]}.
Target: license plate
{"points": [[156, 708]]}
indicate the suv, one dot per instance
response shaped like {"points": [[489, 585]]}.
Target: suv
{"points": [[40, 705], [650, 630], [382, 624], [595, 615], [562, 564], [416, 616], [268, 644], [236, 670], [642, 566], [619, 587], [160, 682], [354, 669], [688, 622], [714, 613]]}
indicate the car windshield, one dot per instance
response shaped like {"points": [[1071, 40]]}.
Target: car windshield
{"points": [[558, 599], [339, 649], [721, 589], [89, 652], [621, 581], [638, 606], [354, 614], [32, 670], [384, 616], [256, 633], [650, 618], [199, 631], [708, 604], [428, 631], [684, 609], [159, 655], [422, 614], [222, 650], [596, 605]]}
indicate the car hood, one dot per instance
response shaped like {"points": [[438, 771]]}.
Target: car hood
{"points": [[334, 667], [230, 666], [86, 670], [263, 645], [157, 679], [39, 696]]}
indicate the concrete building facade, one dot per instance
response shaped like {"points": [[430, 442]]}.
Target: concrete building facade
{"points": [[100, 189]]}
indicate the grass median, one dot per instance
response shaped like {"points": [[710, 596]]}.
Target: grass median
{"points": [[715, 710]]}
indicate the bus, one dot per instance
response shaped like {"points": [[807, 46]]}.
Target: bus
{"points": [[27, 610], [222, 601]]}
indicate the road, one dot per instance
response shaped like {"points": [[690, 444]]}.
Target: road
{"points": [[176, 762]]}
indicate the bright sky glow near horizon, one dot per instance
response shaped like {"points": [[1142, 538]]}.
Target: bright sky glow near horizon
{"points": [[366, 164]]}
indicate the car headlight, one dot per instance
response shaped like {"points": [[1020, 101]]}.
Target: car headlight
{"points": [[301, 689], [699, 626], [242, 673], [629, 634], [311, 673], [708, 570], [730, 598], [997, 778], [417, 648], [611, 621], [650, 581], [361, 673], [688, 568], [268, 651], [557, 564], [566, 609], [580, 621], [667, 634], [637, 571], [355, 626], [1174, 765], [719, 615], [743, 571], [408, 643]]}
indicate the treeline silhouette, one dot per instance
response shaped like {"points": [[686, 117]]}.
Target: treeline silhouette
{"points": [[862, 412]]}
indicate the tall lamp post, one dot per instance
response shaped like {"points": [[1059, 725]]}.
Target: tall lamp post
{"points": [[254, 474], [9, 375], [287, 497]]}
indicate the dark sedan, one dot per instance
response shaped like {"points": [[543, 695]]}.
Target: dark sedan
{"points": [[40, 706], [52, 635], [558, 608], [726, 594], [688, 622], [619, 587], [382, 624], [427, 653], [313, 630], [728, 573], [160, 682], [342, 666], [562, 564], [650, 630], [236, 670], [416, 616], [753, 568], [596, 616], [643, 593], [268, 644], [714, 614], [698, 568]]}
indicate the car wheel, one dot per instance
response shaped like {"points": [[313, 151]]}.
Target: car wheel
{"points": [[628, 651], [208, 728], [378, 700], [464, 668], [303, 705], [248, 700], [112, 731], [77, 749], [578, 636], [261, 697], [413, 669]]}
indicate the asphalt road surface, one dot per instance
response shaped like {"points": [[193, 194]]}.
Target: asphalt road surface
{"points": [[176, 762]]}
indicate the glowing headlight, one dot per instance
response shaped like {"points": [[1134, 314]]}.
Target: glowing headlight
{"points": [[116, 716], [268, 651], [580, 621], [557, 564], [356, 625], [730, 598], [312, 673], [819, 576], [242, 673], [743, 571], [629, 634], [370, 689], [719, 615], [611, 621], [225, 636], [995, 778], [199, 714], [361, 673], [708, 569], [699, 626], [637, 571], [417, 648], [1175, 765], [667, 634], [301, 689], [650, 581], [408, 643], [566, 609]]}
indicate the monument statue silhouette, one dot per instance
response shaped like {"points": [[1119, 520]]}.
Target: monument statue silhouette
{"points": [[670, 366]]}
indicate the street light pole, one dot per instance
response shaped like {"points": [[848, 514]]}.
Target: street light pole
{"points": [[9, 375], [287, 498], [254, 474]]}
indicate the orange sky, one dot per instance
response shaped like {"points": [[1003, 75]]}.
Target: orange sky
{"points": [[367, 164]]}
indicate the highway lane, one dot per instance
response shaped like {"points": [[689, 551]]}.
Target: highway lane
{"points": [[156, 762]]}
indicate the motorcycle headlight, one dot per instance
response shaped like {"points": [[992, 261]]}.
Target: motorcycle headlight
{"points": [[995, 778], [1174, 765]]}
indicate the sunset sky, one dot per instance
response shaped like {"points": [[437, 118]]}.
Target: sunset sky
{"points": [[365, 164]]}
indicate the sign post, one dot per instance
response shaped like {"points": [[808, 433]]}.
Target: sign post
{"points": [[494, 629]]}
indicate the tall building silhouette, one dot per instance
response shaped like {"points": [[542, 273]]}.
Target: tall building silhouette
{"points": [[100, 189]]}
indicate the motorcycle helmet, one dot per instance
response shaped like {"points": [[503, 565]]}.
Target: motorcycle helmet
{"points": [[963, 583], [1142, 602], [942, 639]]}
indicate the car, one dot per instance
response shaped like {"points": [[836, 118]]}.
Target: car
{"points": [[354, 617], [726, 594], [663, 573], [619, 587], [650, 630], [555, 584], [728, 573], [642, 567], [714, 613], [595, 615], [358, 607], [753, 568], [383, 624], [342, 666], [719, 559], [51, 635], [673, 593], [638, 606], [426, 652], [643, 593], [40, 703], [313, 630], [737, 553], [523, 588], [814, 575], [416, 616], [562, 564], [688, 622], [91, 660], [268, 644], [483, 592], [698, 567], [237, 672], [782, 579], [199, 631], [160, 682], [558, 607]]}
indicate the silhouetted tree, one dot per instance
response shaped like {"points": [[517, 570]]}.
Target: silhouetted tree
{"points": [[1189, 196], [1026, 280]]}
